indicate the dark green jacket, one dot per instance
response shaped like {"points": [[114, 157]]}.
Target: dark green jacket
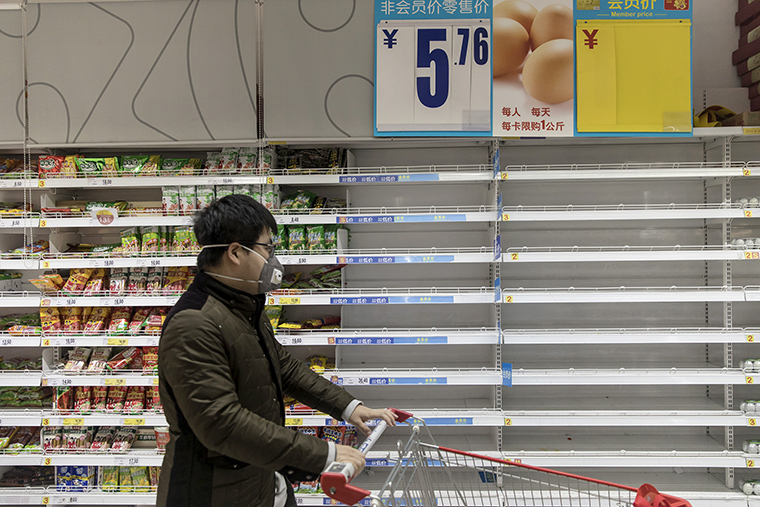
{"points": [[222, 380]]}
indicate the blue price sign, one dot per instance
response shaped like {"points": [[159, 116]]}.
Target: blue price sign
{"points": [[433, 68]]}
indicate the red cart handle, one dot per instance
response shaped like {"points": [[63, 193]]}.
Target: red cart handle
{"points": [[335, 481]]}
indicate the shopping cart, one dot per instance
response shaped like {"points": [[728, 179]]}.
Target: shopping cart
{"points": [[428, 475]]}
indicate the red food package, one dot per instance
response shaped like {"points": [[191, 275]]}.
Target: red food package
{"points": [[122, 359], [116, 397], [99, 398], [150, 360], [98, 319], [50, 319], [103, 438], [138, 320], [351, 437], [83, 398], [162, 437], [98, 359], [155, 320], [313, 431], [135, 401], [123, 439], [333, 434], [152, 399], [52, 438], [120, 320], [64, 398], [77, 281], [96, 283], [137, 362], [50, 165], [72, 323], [118, 282]]}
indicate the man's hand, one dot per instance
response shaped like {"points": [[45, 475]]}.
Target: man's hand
{"points": [[347, 454], [362, 414]]}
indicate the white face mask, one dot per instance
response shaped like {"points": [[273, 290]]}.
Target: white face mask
{"points": [[271, 273]]}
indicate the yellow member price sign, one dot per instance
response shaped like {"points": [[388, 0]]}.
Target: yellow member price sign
{"points": [[751, 255], [290, 301], [118, 342], [155, 381], [508, 421], [752, 422], [46, 422], [752, 131], [115, 382], [46, 499], [294, 421], [134, 422], [46, 342], [73, 421]]}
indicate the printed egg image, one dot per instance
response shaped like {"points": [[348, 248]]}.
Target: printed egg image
{"points": [[552, 22], [548, 73], [511, 44], [519, 10]]}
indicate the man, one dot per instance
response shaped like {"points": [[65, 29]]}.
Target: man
{"points": [[223, 376]]}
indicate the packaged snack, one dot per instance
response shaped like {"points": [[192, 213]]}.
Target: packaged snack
{"points": [[98, 319], [333, 434], [242, 190], [213, 162], [265, 160], [98, 359], [110, 167], [140, 479], [297, 238], [34, 444], [152, 166], [204, 195], [135, 400], [103, 438], [49, 166], [165, 234], [301, 200], [191, 167], [77, 359], [309, 487], [155, 281], [124, 439], [274, 312], [155, 472], [187, 199], [317, 363], [280, 238], [313, 431], [125, 480], [52, 437], [331, 237], [152, 399], [90, 167], [120, 318], [44, 284], [229, 161], [171, 166], [150, 239], [99, 398], [109, 480], [150, 360], [64, 398], [316, 237], [50, 319], [256, 192], [246, 162], [82, 398], [133, 165], [138, 280], [138, 320], [175, 280], [77, 281], [270, 197], [115, 399], [122, 359], [69, 167], [118, 282], [170, 200], [96, 283], [130, 241], [351, 437], [224, 191], [21, 438]]}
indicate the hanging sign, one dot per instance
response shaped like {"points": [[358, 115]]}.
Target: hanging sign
{"points": [[433, 67], [104, 216]]}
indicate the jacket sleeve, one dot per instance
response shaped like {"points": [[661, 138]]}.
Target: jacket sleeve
{"points": [[194, 365], [300, 382]]}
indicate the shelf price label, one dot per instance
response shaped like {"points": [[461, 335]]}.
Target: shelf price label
{"points": [[114, 382], [294, 421], [433, 68], [73, 421], [133, 422], [117, 342], [288, 301], [752, 131]]}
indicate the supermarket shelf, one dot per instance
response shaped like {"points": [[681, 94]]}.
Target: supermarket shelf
{"points": [[397, 377], [19, 183], [19, 222], [385, 336], [422, 214], [628, 336], [23, 299], [42, 496], [11, 262], [393, 256], [142, 419], [624, 295], [26, 378], [100, 260], [626, 212], [58, 378], [385, 296], [151, 181], [632, 376], [569, 172], [626, 254], [20, 417], [9, 340], [129, 458], [108, 300], [84, 220], [752, 293], [99, 339]]}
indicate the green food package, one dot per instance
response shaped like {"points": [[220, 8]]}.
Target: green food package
{"points": [[151, 239], [280, 238], [274, 313], [172, 166], [191, 168], [297, 238], [140, 479], [125, 480], [331, 237], [110, 479], [315, 235], [90, 167], [130, 240], [301, 200], [133, 165], [152, 166]]}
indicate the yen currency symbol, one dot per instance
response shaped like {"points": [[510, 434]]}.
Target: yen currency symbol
{"points": [[390, 38], [591, 40]]}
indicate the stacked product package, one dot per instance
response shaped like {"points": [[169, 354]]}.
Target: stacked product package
{"points": [[747, 57]]}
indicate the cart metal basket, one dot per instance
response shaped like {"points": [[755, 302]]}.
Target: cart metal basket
{"points": [[428, 475]]}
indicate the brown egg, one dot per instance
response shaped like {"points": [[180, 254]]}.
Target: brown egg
{"points": [[548, 73], [511, 44], [553, 22], [519, 10]]}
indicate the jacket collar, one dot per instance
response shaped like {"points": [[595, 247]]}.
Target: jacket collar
{"points": [[230, 296]]}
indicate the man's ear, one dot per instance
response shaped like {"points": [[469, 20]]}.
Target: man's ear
{"points": [[232, 253]]}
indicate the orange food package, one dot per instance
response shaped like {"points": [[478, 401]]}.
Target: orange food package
{"points": [[98, 319], [77, 281], [50, 319], [96, 283], [72, 322]]}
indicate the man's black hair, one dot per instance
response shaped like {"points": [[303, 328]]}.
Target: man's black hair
{"points": [[234, 218]]}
